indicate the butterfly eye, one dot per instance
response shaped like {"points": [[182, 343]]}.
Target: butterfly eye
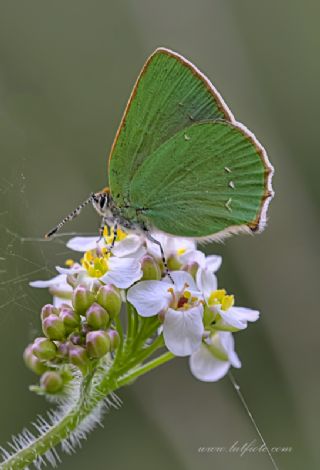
{"points": [[102, 201]]}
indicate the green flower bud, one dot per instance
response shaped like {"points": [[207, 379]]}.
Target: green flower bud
{"points": [[79, 357], [53, 327], [51, 381], [97, 343], [82, 298], [47, 310], [32, 362], [110, 299], [97, 317], [70, 318], [76, 338], [63, 350], [114, 339], [173, 263], [44, 349], [151, 269]]}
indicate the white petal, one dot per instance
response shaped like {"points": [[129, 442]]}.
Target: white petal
{"points": [[76, 268], [213, 263], [55, 281], [230, 319], [193, 256], [181, 279], [245, 314], [83, 244], [149, 297], [227, 342], [183, 330], [129, 246], [123, 272], [206, 367], [206, 282]]}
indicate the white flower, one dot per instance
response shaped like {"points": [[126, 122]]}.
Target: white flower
{"points": [[209, 263], [121, 272], [130, 245], [226, 315], [214, 358], [58, 287], [172, 246], [180, 303]]}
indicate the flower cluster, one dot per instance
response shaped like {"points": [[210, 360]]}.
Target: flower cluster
{"points": [[191, 315]]}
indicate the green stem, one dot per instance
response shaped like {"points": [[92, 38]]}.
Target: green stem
{"points": [[85, 405]]}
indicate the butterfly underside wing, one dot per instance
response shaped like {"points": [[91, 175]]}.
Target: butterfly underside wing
{"points": [[180, 155]]}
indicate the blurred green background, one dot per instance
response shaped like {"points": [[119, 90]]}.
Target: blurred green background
{"points": [[66, 71]]}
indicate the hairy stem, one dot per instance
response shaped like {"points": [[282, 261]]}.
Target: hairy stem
{"points": [[87, 402]]}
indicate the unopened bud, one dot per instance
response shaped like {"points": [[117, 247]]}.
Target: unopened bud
{"points": [[173, 263], [114, 339], [32, 362], [150, 268], [110, 299], [82, 298], [47, 310], [51, 381], [44, 349], [53, 327], [97, 317], [97, 343], [70, 318], [79, 357]]}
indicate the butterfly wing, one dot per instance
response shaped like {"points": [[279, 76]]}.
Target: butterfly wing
{"points": [[207, 181], [170, 94]]}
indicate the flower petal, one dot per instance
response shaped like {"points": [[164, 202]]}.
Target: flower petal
{"points": [[227, 342], [149, 297], [245, 314], [76, 268], [130, 247], [55, 281], [181, 279], [206, 367], [213, 263], [83, 244], [230, 319], [123, 272], [206, 282], [183, 330]]}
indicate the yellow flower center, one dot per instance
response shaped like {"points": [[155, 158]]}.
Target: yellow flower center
{"points": [[181, 251], [96, 264], [108, 236], [220, 297]]}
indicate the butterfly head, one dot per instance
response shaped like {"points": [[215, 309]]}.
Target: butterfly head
{"points": [[102, 202]]}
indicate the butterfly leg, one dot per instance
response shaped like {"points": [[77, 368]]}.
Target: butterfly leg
{"points": [[114, 238], [104, 223], [164, 261]]}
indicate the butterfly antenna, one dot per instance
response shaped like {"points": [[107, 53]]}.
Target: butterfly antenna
{"points": [[236, 386], [70, 216]]}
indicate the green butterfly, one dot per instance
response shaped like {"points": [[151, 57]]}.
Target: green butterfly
{"points": [[180, 163]]}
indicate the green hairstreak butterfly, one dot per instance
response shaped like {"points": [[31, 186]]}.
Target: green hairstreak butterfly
{"points": [[180, 162]]}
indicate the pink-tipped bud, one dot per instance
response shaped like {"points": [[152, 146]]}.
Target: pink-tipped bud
{"points": [[32, 362], [97, 317], [150, 268], [110, 299], [53, 328], [51, 381], [78, 356], [97, 343], [44, 349], [70, 318], [47, 310], [82, 298], [114, 339]]}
